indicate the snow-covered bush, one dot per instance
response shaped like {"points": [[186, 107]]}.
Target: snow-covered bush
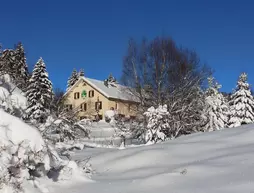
{"points": [[24, 153], [156, 124], [110, 116], [185, 107], [19, 162], [130, 128], [25, 156], [12, 100], [63, 130]]}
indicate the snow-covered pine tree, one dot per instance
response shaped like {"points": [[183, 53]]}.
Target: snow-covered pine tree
{"points": [[7, 62], [216, 109], [156, 124], [13, 62], [111, 78], [72, 79], [39, 93], [241, 103], [110, 81], [20, 67], [82, 73]]}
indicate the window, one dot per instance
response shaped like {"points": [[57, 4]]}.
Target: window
{"points": [[116, 106], [91, 93], [83, 107], [98, 105], [76, 95]]}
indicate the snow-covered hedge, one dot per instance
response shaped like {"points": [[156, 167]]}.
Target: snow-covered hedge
{"points": [[23, 152], [63, 130]]}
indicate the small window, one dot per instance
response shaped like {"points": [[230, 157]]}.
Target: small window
{"points": [[76, 95], [116, 106], [98, 105], [83, 107], [91, 93]]}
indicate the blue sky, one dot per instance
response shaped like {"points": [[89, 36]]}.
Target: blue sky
{"points": [[93, 34]]}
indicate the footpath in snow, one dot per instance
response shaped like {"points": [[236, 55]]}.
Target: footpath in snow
{"points": [[219, 161]]}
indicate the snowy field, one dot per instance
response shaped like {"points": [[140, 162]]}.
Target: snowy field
{"points": [[220, 161]]}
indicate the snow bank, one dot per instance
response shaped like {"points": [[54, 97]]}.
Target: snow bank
{"points": [[14, 130], [218, 161]]}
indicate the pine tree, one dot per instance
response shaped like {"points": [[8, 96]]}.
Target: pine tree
{"points": [[241, 103], [111, 78], [216, 109], [110, 81], [156, 124], [39, 93], [82, 73], [72, 79], [8, 62], [13, 62], [20, 67]]}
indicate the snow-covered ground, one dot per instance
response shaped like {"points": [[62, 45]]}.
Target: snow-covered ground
{"points": [[219, 161]]}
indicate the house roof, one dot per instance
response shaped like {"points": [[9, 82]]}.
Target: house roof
{"points": [[115, 91]]}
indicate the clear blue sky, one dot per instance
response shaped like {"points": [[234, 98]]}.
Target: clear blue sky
{"points": [[93, 34]]}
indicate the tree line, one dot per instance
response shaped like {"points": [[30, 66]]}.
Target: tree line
{"points": [[164, 77], [178, 94]]}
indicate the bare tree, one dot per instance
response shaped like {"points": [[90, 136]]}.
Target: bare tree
{"points": [[159, 72]]}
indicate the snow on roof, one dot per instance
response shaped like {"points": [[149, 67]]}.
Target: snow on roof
{"points": [[115, 91]]}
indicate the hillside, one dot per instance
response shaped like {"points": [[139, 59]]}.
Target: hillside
{"points": [[219, 161]]}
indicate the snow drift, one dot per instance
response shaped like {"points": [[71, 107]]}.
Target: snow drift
{"points": [[219, 161], [14, 131]]}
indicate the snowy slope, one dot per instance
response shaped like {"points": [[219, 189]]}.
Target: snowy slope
{"points": [[219, 161]]}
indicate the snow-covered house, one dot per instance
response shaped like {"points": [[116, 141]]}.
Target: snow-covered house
{"points": [[93, 97]]}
